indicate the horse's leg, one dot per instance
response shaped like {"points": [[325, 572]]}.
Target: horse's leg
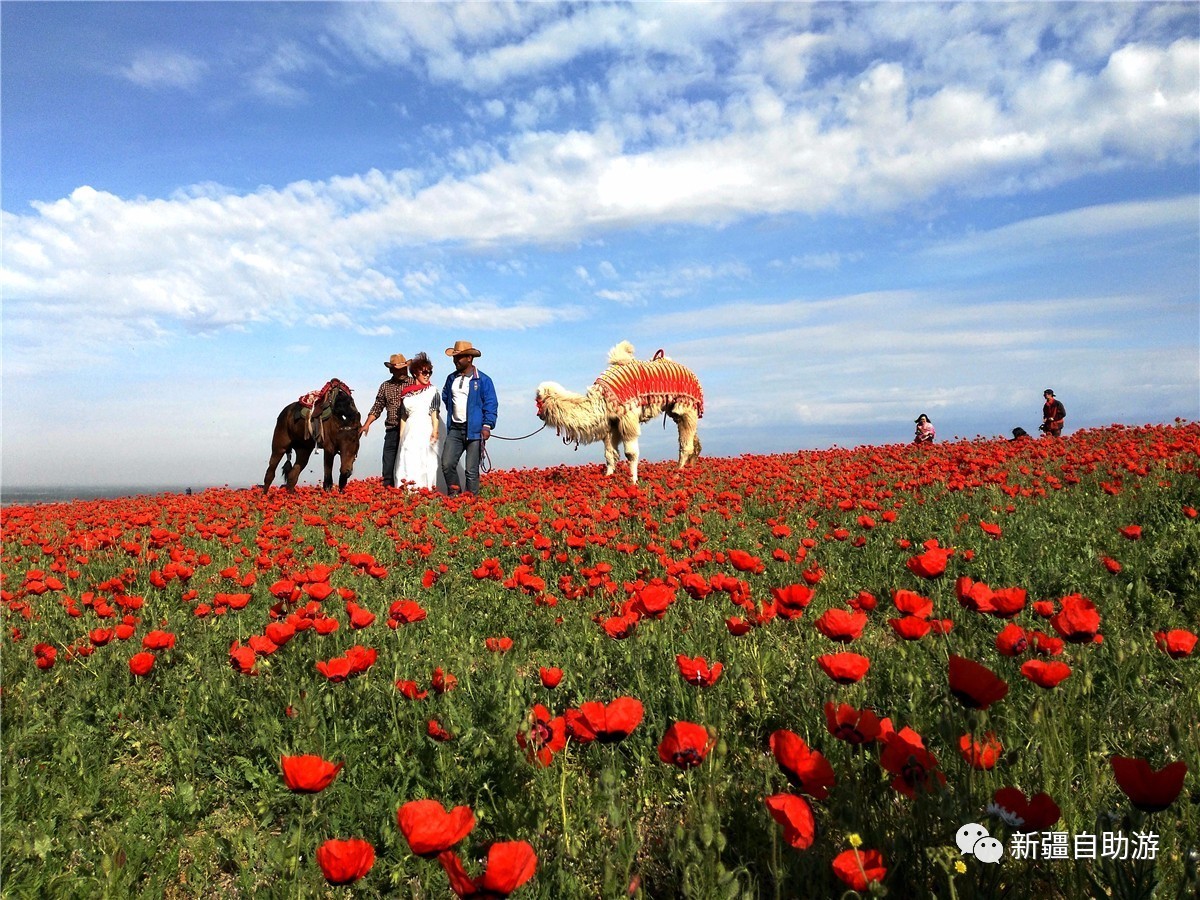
{"points": [[276, 455], [347, 469], [302, 456], [327, 483]]}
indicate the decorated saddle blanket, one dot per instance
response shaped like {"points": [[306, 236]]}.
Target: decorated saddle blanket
{"points": [[321, 398], [640, 383]]}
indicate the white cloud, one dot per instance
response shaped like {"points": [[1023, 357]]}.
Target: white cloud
{"points": [[164, 69]]}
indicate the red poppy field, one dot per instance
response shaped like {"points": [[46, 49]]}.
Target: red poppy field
{"points": [[771, 676]]}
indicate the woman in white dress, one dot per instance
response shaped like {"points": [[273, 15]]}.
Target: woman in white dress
{"points": [[421, 404]]}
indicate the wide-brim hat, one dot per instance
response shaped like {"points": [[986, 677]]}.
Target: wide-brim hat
{"points": [[397, 361], [463, 347]]}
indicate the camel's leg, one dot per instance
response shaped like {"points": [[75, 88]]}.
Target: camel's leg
{"points": [[302, 456], [689, 446], [631, 451], [611, 439]]}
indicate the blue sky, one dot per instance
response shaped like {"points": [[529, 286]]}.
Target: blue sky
{"points": [[839, 215]]}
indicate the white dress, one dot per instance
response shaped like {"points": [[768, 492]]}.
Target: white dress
{"points": [[418, 462]]}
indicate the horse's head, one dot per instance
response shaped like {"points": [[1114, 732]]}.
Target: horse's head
{"points": [[343, 405]]}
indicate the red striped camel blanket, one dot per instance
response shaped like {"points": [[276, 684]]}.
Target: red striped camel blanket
{"points": [[642, 383]]}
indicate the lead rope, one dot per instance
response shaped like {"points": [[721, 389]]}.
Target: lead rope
{"points": [[485, 460]]}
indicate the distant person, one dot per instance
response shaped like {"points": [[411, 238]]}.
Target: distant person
{"points": [[925, 431], [390, 397], [1053, 414], [419, 427], [1019, 434], [470, 400]]}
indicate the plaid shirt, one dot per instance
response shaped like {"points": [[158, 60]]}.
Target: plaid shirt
{"points": [[389, 395]]}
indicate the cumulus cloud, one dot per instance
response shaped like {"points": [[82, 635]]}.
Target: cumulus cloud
{"points": [[882, 108]]}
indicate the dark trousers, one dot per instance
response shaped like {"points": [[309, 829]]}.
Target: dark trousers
{"points": [[391, 449], [452, 451]]}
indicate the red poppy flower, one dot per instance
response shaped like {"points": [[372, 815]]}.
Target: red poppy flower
{"points": [[550, 676], [911, 628], [904, 756], [336, 670], [980, 754], [595, 721], [263, 646], [1078, 621], [912, 604], [344, 862], [1131, 532], [697, 671], [509, 865], [807, 770], [411, 689], [685, 745], [863, 600], [931, 563], [407, 611], [1012, 640], [796, 817], [359, 617], [620, 627], [859, 869], [1037, 813], [1113, 566], [852, 725], [844, 668], [437, 731], [242, 658], [1045, 674], [1176, 643], [158, 640], [279, 633], [653, 600], [308, 774], [443, 682], [140, 664], [1005, 603], [44, 656], [737, 626], [991, 529], [794, 597], [498, 644], [100, 636], [974, 685], [1147, 789], [840, 625], [745, 562], [547, 735], [429, 829], [1044, 645]]}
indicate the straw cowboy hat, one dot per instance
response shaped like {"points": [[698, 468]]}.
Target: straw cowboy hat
{"points": [[397, 361], [461, 347]]}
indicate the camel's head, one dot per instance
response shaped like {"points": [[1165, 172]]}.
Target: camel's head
{"points": [[544, 391]]}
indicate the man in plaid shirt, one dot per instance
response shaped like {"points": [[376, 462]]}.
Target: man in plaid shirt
{"points": [[389, 397]]}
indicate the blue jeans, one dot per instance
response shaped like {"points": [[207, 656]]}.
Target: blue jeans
{"points": [[452, 451]]}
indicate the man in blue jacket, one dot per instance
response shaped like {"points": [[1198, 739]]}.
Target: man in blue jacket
{"points": [[470, 403]]}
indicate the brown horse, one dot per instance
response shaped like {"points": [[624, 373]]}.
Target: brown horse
{"points": [[339, 431]]}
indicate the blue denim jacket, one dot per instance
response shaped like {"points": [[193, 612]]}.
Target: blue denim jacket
{"points": [[481, 403]]}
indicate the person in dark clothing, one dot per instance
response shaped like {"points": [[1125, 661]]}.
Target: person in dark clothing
{"points": [[390, 396], [1053, 414]]}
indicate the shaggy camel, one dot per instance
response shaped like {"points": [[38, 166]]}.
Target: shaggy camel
{"points": [[627, 393]]}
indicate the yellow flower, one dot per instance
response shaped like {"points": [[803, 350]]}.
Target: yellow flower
{"points": [[960, 867], [855, 841]]}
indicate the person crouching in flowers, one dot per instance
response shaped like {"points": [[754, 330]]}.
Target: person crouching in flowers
{"points": [[925, 432]]}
